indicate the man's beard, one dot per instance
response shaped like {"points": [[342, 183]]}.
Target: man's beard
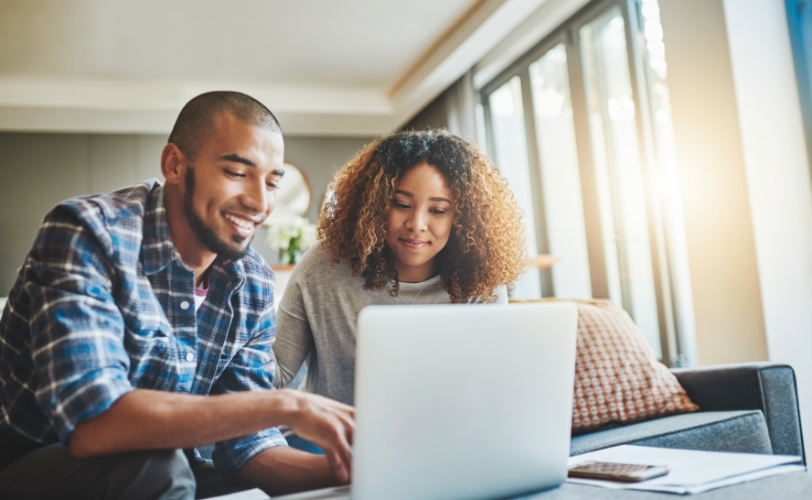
{"points": [[204, 233]]}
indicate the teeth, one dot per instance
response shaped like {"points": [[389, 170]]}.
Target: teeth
{"points": [[240, 222]]}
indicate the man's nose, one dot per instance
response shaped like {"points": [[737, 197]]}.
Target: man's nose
{"points": [[257, 197]]}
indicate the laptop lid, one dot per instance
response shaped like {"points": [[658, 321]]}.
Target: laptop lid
{"points": [[462, 401]]}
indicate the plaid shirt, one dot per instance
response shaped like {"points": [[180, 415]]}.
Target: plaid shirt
{"points": [[103, 304]]}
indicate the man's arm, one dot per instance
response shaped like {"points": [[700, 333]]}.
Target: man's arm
{"points": [[147, 419], [81, 364], [282, 470]]}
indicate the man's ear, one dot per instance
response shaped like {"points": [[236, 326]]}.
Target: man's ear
{"points": [[173, 164]]}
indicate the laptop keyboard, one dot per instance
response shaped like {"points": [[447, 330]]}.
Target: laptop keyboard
{"points": [[340, 493]]}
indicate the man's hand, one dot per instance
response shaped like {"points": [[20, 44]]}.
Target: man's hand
{"points": [[145, 419], [328, 424]]}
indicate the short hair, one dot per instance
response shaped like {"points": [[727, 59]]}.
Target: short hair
{"points": [[195, 119]]}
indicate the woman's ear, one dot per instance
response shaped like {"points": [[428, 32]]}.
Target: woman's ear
{"points": [[173, 164]]}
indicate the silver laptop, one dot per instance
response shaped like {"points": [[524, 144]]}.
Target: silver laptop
{"points": [[461, 401]]}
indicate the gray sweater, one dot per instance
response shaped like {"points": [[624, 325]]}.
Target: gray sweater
{"points": [[317, 318]]}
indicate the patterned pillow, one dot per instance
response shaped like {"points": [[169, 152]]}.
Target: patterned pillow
{"points": [[617, 376]]}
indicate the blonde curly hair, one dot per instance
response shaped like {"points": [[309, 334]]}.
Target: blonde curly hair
{"points": [[486, 246]]}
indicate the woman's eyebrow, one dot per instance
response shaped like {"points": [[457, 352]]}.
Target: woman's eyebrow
{"points": [[433, 198], [438, 198]]}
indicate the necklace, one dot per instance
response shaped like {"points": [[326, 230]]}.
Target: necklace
{"points": [[415, 296]]}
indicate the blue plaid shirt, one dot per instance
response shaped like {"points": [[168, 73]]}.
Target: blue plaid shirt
{"points": [[103, 304]]}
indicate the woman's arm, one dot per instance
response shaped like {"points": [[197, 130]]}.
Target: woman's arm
{"points": [[294, 338]]}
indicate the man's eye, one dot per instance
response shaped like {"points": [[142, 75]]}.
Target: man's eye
{"points": [[272, 185], [234, 174]]}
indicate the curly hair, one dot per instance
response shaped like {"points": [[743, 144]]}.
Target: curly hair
{"points": [[486, 246]]}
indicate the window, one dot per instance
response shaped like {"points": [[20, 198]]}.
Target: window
{"points": [[559, 175], [581, 129], [510, 150]]}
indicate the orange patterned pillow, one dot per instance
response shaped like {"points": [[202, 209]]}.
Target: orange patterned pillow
{"points": [[617, 376]]}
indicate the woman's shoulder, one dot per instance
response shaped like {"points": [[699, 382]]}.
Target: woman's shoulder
{"points": [[316, 255], [499, 296], [315, 266]]}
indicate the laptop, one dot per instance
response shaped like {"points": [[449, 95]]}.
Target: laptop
{"points": [[460, 401]]}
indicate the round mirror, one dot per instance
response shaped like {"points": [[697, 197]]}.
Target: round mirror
{"points": [[294, 194]]}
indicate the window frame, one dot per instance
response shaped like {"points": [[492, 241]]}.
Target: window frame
{"points": [[568, 34]]}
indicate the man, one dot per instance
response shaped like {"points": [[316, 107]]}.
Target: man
{"points": [[141, 324]]}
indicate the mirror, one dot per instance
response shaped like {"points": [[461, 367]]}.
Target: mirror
{"points": [[294, 194]]}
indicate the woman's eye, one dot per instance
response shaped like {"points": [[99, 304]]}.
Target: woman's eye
{"points": [[438, 211], [400, 204]]}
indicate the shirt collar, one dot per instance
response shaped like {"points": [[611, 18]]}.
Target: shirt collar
{"points": [[158, 250]]}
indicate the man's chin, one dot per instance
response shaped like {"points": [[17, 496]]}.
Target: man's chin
{"points": [[237, 248], [232, 247], [240, 243]]}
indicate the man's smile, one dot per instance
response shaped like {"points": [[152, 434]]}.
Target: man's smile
{"points": [[242, 224]]}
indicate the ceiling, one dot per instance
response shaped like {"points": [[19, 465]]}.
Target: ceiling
{"points": [[325, 67]]}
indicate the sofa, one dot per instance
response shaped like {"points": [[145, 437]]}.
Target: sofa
{"points": [[745, 408]]}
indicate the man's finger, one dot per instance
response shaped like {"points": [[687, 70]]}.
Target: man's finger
{"points": [[340, 406], [349, 429], [342, 448], [340, 471]]}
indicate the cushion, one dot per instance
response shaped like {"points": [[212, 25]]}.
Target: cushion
{"points": [[617, 376], [742, 431]]}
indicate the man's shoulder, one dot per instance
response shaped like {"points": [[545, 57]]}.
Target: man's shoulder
{"points": [[256, 267], [99, 211], [257, 291], [114, 218], [125, 202]]}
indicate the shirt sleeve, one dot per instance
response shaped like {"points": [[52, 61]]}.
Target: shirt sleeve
{"points": [[295, 340], [251, 369], [77, 330], [501, 295]]}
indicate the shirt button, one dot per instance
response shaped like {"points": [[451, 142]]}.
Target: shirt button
{"points": [[190, 356], [184, 305]]}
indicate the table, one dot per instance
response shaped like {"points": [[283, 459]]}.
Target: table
{"points": [[796, 485]]}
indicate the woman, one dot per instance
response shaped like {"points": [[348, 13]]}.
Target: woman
{"points": [[415, 218]]}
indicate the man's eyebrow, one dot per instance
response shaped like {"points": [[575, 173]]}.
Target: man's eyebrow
{"points": [[239, 159], [278, 172]]}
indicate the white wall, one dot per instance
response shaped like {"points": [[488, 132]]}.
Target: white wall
{"points": [[713, 181], [779, 184], [40, 170]]}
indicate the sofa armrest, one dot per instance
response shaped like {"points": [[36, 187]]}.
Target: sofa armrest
{"points": [[768, 387]]}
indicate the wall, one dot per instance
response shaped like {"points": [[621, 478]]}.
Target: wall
{"points": [[779, 184], [747, 188], [319, 158], [454, 110], [718, 220], [40, 170]]}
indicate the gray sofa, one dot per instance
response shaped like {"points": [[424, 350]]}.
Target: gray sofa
{"points": [[749, 408]]}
